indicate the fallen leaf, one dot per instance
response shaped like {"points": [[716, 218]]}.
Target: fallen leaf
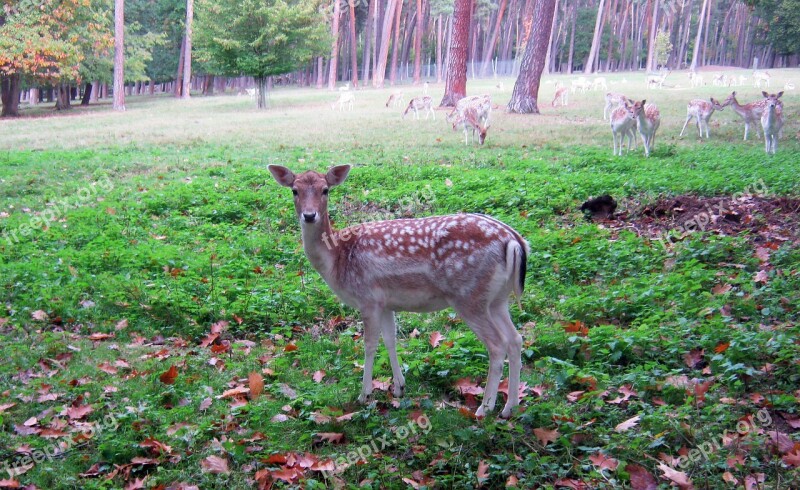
{"points": [[215, 464], [677, 477], [168, 377], [721, 289], [318, 376], [331, 437], [722, 347], [546, 435], [483, 471], [77, 413], [761, 276], [694, 358], [436, 339], [603, 461], [622, 427], [641, 479], [792, 459], [256, 384]]}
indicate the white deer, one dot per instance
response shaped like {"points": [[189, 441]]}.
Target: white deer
{"points": [[648, 118], [623, 123], [613, 100], [419, 103], [772, 121], [696, 78], [581, 83], [345, 99], [701, 110], [761, 76], [750, 113], [469, 262], [600, 83]]}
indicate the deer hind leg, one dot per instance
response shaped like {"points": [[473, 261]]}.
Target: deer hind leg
{"points": [[688, 118], [502, 317], [492, 333], [372, 335], [389, 332]]}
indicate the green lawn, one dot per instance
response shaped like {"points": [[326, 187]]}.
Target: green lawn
{"points": [[127, 239]]}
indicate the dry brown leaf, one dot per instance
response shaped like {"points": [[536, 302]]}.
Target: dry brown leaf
{"points": [[641, 479], [256, 384], [318, 376], [721, 289], [436, 339], [761, 276], [215, 464], [603, 461], [483, 471], [545, 435], [677, 477], [622, 427], [168, 376]]}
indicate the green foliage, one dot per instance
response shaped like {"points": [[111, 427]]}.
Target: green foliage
{"points": [[663, 47], [258, 38]]}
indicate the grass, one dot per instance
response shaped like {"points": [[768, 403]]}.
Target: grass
{"points": [[163, 221]]}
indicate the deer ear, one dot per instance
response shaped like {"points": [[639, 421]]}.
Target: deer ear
{"points": [[764, 93], [283, 175], [336, 175], [779, 94]]}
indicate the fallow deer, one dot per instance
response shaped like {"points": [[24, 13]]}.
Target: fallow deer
{"points": [[472, 119], [345, 99], [469, 262], [648, 118], [561, 95], [772, 121], [613, 100], [761, 76], [701, 110], [480, 108], [623, 123], [395, 99], [419, 103], [750, 113]]}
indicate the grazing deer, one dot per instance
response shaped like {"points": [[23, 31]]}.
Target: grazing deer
{"points": [[599, 83], [581, 83], [345, 98], [470, 262], [648, 118], [623, 123], [417, 104], [761, 76], [750, 113], [613, 100], [772, 121], [481, 103], [561, 95], [395, 99], [701, 110], [657, 80], [472, 119], [788, 86]]}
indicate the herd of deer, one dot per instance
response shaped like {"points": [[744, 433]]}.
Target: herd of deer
{"points": [[627, 115]]}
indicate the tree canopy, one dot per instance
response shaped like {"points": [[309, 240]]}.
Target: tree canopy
{"points": [[259, 38]]}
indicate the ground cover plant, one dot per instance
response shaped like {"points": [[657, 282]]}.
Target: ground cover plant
{"points": [[161, 327]]}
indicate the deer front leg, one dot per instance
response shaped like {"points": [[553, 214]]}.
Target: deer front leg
{"points": [[389, 332], [372, 330]]}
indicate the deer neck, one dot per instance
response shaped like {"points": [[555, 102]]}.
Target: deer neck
{"points": [[319, 245]]}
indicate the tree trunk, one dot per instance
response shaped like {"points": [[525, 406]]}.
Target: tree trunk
{"points": [[526, 89], [367, 42], [705, 32], [62, 97], [439, 40], [395, 43], [87, 94], [33, 98], [598, 23], [570, 57], [119, 55], [353, 44], [261, 92], [651, 36], [696, 51], [489, 51], [455, 87], [10, 88], [334, 59], [186, 91], [379, 75], [550, 40], [418, 44], [178, 86]]}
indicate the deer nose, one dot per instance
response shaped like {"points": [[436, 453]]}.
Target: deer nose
{"points": [[309, 217]]}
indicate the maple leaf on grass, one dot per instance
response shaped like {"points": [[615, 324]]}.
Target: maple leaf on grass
{"points": [[168, 376], [256, 383], [331, 437], [318, 376], [215, 465], [792, 458], [483, 471], [622, 427], [603, 461], [79, 412], [545, 435], [436, 339], [677, 477], [641, 479]]}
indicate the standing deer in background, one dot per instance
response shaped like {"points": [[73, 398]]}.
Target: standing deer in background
{"points": [[479, 107], [701, 110], [613, 100], [345, 99], [695, 78], [623, 123], [761, 76], [419, 103], [561, 94], [648, 118], [469, 262], [750, 113], [772, 121], [472, 119]]}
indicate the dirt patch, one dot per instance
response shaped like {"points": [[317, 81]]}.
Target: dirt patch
{"points": [[762, 219]]}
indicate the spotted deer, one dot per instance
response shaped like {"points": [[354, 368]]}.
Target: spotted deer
{"points": [[750, 113], [472, 119], [613, 100], [772, 121], [648, 118], [623, 123], [469, 262], [761, 76], [561, 95], [419, 103], [701, 110]]}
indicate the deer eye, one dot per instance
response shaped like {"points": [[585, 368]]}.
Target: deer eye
{"points": [[325, 191], [294, 191]]}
